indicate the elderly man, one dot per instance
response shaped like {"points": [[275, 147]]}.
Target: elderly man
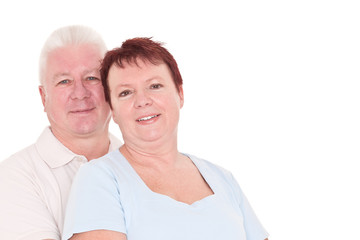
{"points": [[35, 182]]}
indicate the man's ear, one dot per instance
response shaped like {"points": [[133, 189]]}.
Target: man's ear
{"points": [[43, 96]]}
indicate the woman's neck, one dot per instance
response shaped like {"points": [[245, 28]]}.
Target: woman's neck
{"points": [[151, 155]]}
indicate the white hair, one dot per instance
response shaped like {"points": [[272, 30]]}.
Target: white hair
{"points": [[66, 36]]}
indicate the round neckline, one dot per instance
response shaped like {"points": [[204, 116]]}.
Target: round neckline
{"points": [[197, 203]]}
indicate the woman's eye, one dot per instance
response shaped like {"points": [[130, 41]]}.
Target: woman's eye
{"points": [[124, 93], [156, 86]]}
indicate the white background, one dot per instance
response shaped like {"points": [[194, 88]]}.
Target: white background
{"points": [[272, 93]]}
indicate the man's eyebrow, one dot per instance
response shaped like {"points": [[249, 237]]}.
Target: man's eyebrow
{"points": [[60, 75], [94, 70], [65, 74]]}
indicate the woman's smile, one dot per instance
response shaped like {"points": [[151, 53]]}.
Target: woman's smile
{"points": [[149, 119]]}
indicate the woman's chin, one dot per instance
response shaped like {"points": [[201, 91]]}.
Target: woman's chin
{"points": [[151, 138]]}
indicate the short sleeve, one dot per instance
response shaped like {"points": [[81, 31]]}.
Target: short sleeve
{"points": [[94, 202], [24, 214], [253, 228]]}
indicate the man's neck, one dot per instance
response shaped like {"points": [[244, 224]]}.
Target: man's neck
{"points": [[91, 146]]}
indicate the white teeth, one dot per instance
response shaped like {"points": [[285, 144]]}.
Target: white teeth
{"points": [[147, 118]]}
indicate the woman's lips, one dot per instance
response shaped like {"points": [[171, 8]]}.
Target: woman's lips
{"points": [[147, 118]]}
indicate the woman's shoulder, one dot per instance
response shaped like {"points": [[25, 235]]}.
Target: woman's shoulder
{"points": [[221, 176], [108, 162], [209, 167]]}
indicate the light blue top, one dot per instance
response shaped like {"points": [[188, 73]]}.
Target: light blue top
{"points": [[108, 194]]}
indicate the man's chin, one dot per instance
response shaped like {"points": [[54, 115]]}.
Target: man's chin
{"points": [[84, 127], [85, 130]]}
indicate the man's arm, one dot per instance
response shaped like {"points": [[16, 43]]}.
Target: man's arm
{"points": [[24, 214]]}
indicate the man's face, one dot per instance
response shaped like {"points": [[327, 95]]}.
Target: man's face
{"points": [[72, 94]]}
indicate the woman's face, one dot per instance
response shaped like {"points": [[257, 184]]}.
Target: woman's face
{"points": [[145, 101]]}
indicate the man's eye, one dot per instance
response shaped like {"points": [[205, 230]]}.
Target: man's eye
{"points": [[124, 93], [156, 86], [63, 82], [93, 78]]}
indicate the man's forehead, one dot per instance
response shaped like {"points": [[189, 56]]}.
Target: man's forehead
{"points": [[75, 55], [77, 71]]}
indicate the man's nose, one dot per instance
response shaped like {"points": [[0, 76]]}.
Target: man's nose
{"points": [[80, 91]]}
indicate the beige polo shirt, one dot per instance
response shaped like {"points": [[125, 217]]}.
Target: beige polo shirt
{"points": [[34, 188]]}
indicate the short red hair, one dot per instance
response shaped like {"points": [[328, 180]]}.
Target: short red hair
{"points": [[133, 49]]}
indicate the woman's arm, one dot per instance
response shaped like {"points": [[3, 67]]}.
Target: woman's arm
{"points": [[99, 235], [94, 207]]}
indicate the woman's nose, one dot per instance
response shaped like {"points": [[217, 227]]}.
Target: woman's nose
{"points": [[142, 99]]}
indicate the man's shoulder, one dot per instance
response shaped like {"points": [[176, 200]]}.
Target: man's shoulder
{"points": [[25, 155], [18, 173], [21, 158]]}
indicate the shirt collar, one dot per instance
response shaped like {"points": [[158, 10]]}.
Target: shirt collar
{"points": [[55, 154]]}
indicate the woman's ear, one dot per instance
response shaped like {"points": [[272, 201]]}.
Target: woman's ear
{"points": [[181, 95]]}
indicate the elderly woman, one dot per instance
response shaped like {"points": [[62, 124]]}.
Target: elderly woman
{"points": [[148, 189]]}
